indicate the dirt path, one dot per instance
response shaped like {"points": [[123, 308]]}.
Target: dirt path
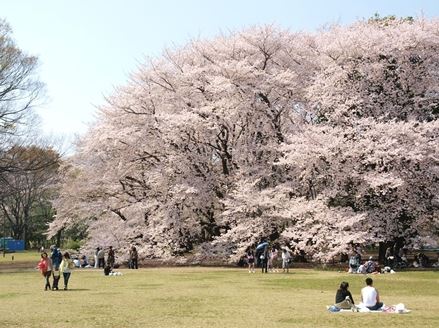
{"points": [[17, 266]]}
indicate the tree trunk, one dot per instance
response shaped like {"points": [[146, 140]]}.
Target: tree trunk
{"points": [[25, 236], [58, 238]]}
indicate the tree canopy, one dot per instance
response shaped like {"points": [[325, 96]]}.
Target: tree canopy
{"points": [[314, 140], [27, 165]]}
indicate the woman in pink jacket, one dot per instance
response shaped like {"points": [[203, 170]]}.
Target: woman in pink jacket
{"points": [[45, 267]]}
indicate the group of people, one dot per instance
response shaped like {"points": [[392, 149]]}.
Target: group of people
{"points": [[399, 258], [355, 265], [266, 259], [109, 264], [100, 258], [54, 266], [421, 260], [370, 298], [57, 264], [392, 259]]}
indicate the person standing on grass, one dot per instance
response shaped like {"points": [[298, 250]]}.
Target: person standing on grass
{"points": [[272, 259], [370, 296], [111, 257], [56, 276], [56, 256], [66, 269], [285, 260], [134, 257], [251, 262], [264, 259], [101, 258], [45, 267], [96, 257]]}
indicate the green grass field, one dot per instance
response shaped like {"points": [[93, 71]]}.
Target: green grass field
{"points": [[19, 257], [210, 297]]}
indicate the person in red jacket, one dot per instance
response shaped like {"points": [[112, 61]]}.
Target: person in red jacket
{"points": [[45, 267]]}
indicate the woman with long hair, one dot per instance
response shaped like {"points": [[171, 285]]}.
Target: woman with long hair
{"points": [[45, 267], [66, 268], [343, 298]]}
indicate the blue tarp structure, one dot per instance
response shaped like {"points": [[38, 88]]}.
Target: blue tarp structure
{"points": [[4, 242], [11, 244], [15, 245]]}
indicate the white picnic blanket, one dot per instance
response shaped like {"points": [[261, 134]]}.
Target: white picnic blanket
{"points": [[397, 309]]}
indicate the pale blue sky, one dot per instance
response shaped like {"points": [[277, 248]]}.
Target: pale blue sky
{"points": [[86, 47]]}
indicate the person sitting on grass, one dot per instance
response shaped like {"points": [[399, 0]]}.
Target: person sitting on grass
{"points": [[107, 270], [436, 264], [370, 296], [354, 263], [83, 261], [370, 266], [343, 298]]}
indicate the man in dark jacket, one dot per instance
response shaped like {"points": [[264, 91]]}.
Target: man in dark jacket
{"points": [[55, 256]]}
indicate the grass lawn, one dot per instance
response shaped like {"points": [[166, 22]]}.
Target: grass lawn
{"points": [[17, 257], [210, 297]]}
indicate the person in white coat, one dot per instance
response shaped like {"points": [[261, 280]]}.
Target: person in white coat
{"points": [[286, 257]]}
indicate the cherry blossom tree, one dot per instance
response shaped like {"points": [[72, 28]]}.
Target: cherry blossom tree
{"points": [[314, 140]]}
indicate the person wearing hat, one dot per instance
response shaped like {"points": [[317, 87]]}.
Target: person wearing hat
{"points": [[55, 256]]}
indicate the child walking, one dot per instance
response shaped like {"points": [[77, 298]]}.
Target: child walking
{"points": [[56, 276]]}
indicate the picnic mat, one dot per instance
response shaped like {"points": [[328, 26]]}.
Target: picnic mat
{"points": [[397, 309]]}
